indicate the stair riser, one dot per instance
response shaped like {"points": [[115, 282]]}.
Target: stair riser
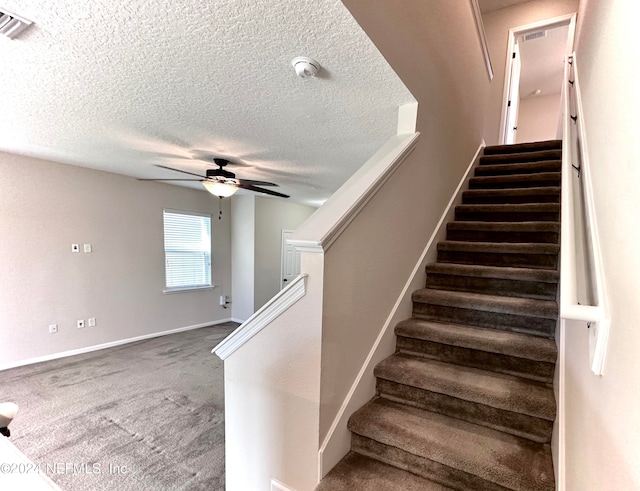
{"points": [[536, 326], [429, 469], [509, 216], [525, 168], [511, 236], [523, 147], [517, 424], [538, 371], [539, 261], [492, 286], [521, 157], [504, 183], [498, 197]]}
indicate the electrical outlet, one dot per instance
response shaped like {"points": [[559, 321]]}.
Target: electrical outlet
{"points": [[75, 248], [80, 323], [92, 321], [87, 248], [53, 328]]}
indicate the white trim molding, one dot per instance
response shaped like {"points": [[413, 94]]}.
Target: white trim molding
{"points": [[284, 299], [477, 16], [278, 486], [111, 344], [568, 19], [329, 221]]}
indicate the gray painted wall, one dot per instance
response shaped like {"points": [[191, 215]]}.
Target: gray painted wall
{"points": [[44, 208]]}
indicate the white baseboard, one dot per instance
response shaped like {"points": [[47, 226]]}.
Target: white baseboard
{"points": [[558, 443], [96, 347], [278, 486], [336, 443]]}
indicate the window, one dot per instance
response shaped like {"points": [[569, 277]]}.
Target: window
{"points": [[187, 250]]}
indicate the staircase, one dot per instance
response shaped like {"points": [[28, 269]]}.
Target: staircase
{"points": [[466, 402]]}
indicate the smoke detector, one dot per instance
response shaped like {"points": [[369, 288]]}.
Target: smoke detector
{"points": [[305, 67], [11, 25]]}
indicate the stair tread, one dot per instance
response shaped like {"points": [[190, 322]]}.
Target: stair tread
{"points": [[536, 176], [532, 226], [519, 167], [501, 272], [514, 191], [509, 208], [500, 247], [529, 156], [527, 307], [492, 455], [493, 389], [523, 147], [480, 338], [358, 472]]}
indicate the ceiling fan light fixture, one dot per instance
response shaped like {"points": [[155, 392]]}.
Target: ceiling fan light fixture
{"points": [[11, 25], [219, 189]]}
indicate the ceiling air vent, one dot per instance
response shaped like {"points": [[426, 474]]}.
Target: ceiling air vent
{"points": [[11, 25], [534, 35]]}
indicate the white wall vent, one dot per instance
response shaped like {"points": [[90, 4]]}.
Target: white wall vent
{"points": [[534, 35], [11, 25]]}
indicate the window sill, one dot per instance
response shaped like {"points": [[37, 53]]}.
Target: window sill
{"points": [[186, 289]]}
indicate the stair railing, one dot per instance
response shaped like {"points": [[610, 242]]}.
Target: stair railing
{"points": [[582, 289]]}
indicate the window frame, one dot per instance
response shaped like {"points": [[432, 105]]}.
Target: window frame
{"points": [[194, 287]]}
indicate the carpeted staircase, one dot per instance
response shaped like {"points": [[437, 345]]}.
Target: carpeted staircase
{"points": [[466, 402]]}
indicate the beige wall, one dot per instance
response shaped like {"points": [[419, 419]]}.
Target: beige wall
{"points": [[497, 25], [257, 224], [272, 216], [538, 118], [368, 265], [44, 208], [603, 420]]}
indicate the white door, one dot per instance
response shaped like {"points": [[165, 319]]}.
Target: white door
{"points": [[290, 260], [513, 97]]}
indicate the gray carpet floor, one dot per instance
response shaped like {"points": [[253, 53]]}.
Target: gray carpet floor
{"points": [[143, 416]]}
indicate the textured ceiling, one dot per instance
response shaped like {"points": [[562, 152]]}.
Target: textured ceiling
{"points": [[120, 85], [543, 63], [491, 5]]}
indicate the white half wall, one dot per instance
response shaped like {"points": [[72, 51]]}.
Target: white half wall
{"points": [[496, 26], [538, 118], [602, 449], [44, 208], [272, 397]]}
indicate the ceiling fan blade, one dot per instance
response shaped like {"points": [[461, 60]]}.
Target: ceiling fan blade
{"points": [[185, 179], [250, 182], [178, 170], [260, 190]]}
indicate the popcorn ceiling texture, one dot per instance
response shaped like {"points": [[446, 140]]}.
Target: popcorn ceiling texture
{"points": [[119, 85]]}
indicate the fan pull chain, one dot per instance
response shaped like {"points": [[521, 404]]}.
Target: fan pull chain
{"points": [[220, 208]]}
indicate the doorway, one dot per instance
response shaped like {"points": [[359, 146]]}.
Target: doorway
{"points": [[533, 79], [290, 262]]}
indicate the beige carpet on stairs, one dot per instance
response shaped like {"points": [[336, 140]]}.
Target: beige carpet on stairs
{"points": [[466, 402]]}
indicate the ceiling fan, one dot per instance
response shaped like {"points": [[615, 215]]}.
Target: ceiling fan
{"points": [[223, 183]]}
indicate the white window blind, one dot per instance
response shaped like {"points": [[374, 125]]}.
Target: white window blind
{"points": [[187, 250]]}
